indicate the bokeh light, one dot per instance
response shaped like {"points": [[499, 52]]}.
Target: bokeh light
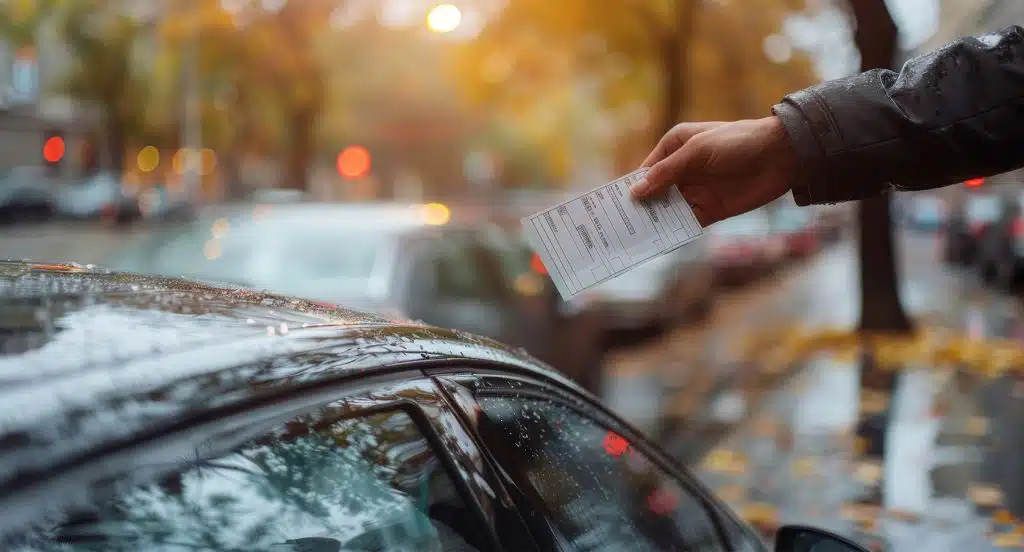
{"points": [[436, 214], [354, 162], [444, 18], [148, 159], [207, 161], [220, 228], [53, 149]]}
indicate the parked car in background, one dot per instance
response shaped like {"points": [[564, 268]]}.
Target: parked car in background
{"points": [[744, 248], [924, 212], [831, 221], [203, 418], [413, 261], [25, 196], [100, 196], [1001, 245], [969, 219], [798, 231], [659, 292]]}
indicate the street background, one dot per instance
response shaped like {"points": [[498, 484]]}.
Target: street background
{"points": [[857, 367]]}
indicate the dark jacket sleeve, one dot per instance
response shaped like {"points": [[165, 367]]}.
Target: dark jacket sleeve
{"points": [[949, 115]]}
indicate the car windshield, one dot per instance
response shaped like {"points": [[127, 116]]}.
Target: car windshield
{"points": [[791, 219], [984, 209], [742, 225], [266, 255]]}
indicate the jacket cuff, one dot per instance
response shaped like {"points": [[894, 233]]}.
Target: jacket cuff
{"points": [[811, 154], [812, 126]]}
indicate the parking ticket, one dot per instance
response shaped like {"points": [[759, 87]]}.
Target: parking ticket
{"points": [[604, 232]]}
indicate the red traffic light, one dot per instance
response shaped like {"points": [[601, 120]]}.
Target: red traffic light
{"points": [[354, 162], [53, 149], [974, 182]]}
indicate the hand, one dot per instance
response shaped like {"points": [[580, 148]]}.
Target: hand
{"points": [[723, 169]]}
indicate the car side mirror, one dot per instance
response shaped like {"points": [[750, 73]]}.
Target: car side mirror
{"points": [[799, 538]]}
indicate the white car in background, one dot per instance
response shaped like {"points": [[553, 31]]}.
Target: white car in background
{"points": [[659, 292]]}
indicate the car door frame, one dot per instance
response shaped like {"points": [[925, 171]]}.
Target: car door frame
{"points": [[462, 383], [253, 418]]}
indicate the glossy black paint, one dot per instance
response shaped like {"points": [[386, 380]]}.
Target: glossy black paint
{"points": [[94, 358], [799, 538]]}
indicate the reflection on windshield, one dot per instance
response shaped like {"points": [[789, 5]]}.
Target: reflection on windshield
{"points": [[986, 209], [370, 483], [293, 258]]}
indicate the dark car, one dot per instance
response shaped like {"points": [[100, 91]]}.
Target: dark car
{"points": [[968, 221], [417, 261], [158, 414], [1001, 246]]}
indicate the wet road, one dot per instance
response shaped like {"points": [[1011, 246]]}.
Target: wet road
{"points": [[932, 463]]}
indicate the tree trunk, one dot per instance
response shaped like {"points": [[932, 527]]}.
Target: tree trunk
{"points": [[881, 309], [115, 144], [676, 59], [300, 152]]}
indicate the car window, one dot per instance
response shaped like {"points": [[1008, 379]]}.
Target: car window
{"points": [[369, 482], [466, 269], [984, 209], [599, 491], [287, 256]]}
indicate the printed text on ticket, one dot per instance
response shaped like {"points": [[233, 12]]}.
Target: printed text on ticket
{"points": [[604, 232]]}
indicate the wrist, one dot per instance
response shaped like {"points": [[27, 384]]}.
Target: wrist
{"points": [[783, 153]]}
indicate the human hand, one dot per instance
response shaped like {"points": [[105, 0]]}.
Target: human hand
{"points": [[723, 169]]}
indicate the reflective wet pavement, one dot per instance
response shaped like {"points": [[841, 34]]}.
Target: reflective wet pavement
{"points": [[935, 464]]}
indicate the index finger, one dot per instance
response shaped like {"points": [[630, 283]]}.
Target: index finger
{"points": [[675, 138]]}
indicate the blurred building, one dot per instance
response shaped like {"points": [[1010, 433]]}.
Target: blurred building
{"points": [[31, 111]]}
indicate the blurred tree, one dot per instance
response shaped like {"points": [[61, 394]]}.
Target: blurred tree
{"points": [[881, 309], [285, 41], [102, 40], [262, 73], [635, 53], [22, 20], [234, 121], [398, 103]]}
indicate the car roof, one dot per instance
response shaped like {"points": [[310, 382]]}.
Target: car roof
{"points": [[395, 217], [93, 357]]}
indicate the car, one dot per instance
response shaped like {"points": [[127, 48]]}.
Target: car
{"points": [[657, 293], [1000, 256], [26, 196], [968, 220], [744, 248], [145, 413], [924, 213], [830, 221], [796, 227], [97, 196], [401, 259]]}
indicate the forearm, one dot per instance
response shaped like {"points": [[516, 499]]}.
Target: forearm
{"points": [[949, 115]]}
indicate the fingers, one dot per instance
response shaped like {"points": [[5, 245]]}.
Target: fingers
{"points": [[675, 138], [686, 160]]}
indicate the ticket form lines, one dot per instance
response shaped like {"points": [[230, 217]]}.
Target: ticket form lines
{"points": [[603, 233], [557, 265]]}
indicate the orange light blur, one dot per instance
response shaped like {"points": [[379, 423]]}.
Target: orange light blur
{"points": [[354, 162], [538, 265], [974, 182], [53, 149]]}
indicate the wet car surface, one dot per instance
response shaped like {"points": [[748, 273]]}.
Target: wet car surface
{"points": [[158, 414]]}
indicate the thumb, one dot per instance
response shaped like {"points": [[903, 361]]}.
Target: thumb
{"points": [[683, 163]]}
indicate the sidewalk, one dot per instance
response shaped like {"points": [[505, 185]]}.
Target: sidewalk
{"points": [[945, 477]]}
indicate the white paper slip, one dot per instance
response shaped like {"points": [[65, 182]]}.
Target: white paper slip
{"points": [[604, 232]]}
